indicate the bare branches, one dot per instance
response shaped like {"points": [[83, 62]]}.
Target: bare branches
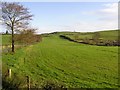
{"points": [[26, 17], [15, 17], [15, 13], [8, 24]]}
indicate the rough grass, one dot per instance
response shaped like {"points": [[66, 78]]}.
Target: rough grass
{"points": [[105, 35], [66, 63], [6, 39]]}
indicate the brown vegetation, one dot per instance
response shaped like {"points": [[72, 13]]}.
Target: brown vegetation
{"points": [[15, 17], [28, 36]]}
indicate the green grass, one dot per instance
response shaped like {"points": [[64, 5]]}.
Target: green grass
{"points": [[105, 35], [61, 61], [109, 35], [6, 39]]}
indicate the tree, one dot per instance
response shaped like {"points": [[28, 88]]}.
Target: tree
{"points": [[6, 32], [96, 37], [76, 36], [86, 40], [15, 17]]}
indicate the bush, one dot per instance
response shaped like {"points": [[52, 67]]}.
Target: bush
{"points": [[28, 37], [53, 86]]}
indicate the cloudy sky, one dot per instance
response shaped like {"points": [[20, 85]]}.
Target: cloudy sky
{"points": [[73, 16]]}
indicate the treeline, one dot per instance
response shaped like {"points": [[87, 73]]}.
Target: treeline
{"points": [[95, 40], [101, 42], [68, 38], [98, 40]]}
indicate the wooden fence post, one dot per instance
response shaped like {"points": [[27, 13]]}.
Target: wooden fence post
{"points": [[9, 73], [28, 82]]}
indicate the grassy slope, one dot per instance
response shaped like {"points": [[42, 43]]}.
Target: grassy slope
{"points": [[109, 35], [106, 35], [69, 63]]}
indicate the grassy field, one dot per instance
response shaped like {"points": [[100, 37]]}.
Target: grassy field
{"points": [[6, 39], [70, 64], [105, 35]]}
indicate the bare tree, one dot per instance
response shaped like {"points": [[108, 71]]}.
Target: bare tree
{"points": [[15, 17], [76, 36], [96, 37]]}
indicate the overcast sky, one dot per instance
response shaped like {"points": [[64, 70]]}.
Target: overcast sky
{"points": [[73, 16]]}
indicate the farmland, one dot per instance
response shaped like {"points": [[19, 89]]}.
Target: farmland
{"points": [[101, 38], [66, 63], [105, 35]]}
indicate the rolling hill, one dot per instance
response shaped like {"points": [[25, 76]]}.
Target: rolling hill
{"points": [[64, 63]]}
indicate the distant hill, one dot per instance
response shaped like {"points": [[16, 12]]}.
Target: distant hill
{"points": [[105, 35], [109, 37]]}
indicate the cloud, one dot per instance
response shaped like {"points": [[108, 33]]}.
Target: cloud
{"points": [[109, 13], [90, 27], [55, 28], [110, 8], [106, 19]]}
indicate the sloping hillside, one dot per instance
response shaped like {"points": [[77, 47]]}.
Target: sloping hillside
{"points": [[101, 38], [63, 63], [106, 35]]}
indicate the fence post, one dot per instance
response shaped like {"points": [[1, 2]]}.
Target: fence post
{"points": [[28, 82], [9, 73]]}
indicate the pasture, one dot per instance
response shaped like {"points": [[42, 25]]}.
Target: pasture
{"points": [[105, 35], [66, 63]]}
